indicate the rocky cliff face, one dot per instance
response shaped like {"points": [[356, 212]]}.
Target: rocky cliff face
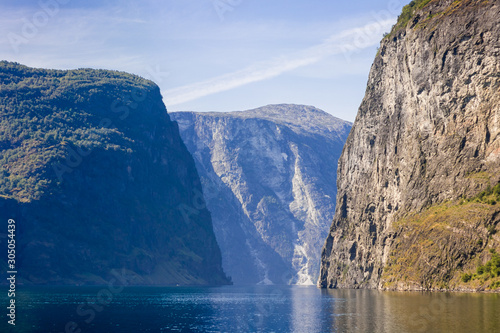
{"points": [[269, 179], [98, 180], [416, 203]]}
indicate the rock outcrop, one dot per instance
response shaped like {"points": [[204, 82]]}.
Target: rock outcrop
{"points": [[98, 181], [417, 207], [269, 180]]}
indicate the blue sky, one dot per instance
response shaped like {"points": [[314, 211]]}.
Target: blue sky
{"points": [[210, 55]]}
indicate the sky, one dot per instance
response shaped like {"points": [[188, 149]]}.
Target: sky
{"points": [[211, 55]]}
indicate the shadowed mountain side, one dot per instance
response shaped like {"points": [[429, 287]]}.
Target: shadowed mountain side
{"points": [[96, 176]]}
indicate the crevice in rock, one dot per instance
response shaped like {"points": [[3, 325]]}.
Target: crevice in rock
{"points": [[462, 144], [443, 61], [352, 251]]}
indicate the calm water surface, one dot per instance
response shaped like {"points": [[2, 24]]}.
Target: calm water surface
{"points": [[249, 309]]}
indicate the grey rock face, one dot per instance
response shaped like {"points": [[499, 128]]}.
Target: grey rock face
{"points": [[269, 181], [430, 119]]}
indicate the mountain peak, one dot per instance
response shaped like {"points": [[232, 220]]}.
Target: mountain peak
{"points": [[300, 118]]}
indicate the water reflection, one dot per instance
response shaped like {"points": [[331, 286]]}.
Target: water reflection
{"points": [[376, 311], [308, 307], [254, 309]]}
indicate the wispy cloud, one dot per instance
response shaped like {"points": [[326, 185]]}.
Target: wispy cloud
{"points": [[346, 42]]}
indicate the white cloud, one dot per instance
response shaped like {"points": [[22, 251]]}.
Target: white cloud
{"points": [[347, 42]]}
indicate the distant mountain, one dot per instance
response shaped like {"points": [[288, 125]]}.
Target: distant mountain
{"points": [[269, 179], [98, 181]]}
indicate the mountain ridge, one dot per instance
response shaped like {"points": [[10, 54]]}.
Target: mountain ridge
{"points": [[293, 115]]}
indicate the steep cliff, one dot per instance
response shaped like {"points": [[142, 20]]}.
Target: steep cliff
{"points": [[269, 179], [98, 180], [417, 207]]}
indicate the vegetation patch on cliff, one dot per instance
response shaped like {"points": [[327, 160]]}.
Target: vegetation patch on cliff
{"points": [[490, 196], [434, 16], [487, 274], [408, 13], [46, 112], [437, 246]]}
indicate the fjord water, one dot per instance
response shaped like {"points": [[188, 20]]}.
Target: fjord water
{"points": [[250, 309]]}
